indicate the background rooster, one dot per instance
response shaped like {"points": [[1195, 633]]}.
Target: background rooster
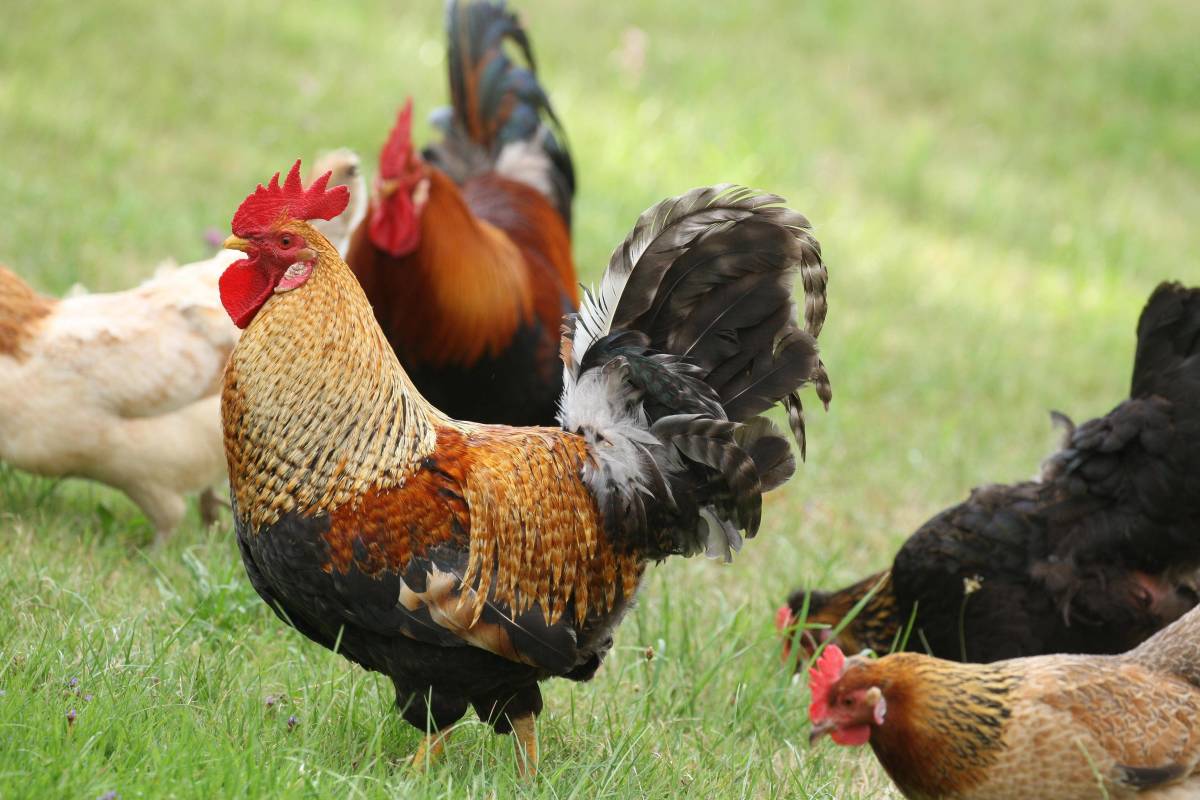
{"points": [[465, 254], [468, 562], [1093, 557], [1060, 726]]}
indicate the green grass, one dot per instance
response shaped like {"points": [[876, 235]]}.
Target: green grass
{"points": [[997, 187]]}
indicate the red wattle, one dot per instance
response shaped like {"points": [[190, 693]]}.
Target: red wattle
{"points": [[852, 737], [244, 288], [395, 228]]}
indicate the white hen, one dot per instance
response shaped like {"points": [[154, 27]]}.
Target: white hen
{"points": [[119, 387], [122, 387], [347, 171]]}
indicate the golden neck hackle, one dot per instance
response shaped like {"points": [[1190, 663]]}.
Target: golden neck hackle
{"points": [[316, 407]]}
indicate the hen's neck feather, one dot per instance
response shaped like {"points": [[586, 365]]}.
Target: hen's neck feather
{"points": [[944, 725], [316, 408], [20, 309], [877, 624]]}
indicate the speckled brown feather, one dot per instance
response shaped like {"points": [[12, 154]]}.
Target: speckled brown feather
{"points": [[303, 432], [485, 489], [876, 626], [355, 440], [20, 309]]}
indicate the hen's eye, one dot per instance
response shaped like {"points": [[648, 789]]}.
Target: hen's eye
{"points": [[286, 241]]}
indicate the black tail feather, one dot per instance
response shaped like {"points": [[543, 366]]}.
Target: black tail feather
{"points": [[496, 101], [695, 316]]}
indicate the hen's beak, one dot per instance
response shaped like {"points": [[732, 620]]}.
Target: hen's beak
{"points": [[237, 243], [819, 729]]}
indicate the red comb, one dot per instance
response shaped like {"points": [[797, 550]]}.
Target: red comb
{"points": [[783, 618], [397, 153], [268, 204], [821, 679]]}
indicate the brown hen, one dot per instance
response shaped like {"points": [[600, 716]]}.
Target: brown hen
{"points": [[1055, 727]]}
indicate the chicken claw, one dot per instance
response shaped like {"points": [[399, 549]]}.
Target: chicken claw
{"points": [[430, 750]]}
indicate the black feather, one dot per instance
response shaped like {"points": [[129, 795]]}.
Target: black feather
{"points": [[496, 101], [1100, 552], [695, 315], [1142, 778]]}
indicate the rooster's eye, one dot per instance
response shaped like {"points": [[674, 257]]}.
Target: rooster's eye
{"points": [[286, 241]]}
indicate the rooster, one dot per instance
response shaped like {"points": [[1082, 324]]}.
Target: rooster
{"points": [[465, 561], [465, 254], [1067, 727], [1095, 556]]}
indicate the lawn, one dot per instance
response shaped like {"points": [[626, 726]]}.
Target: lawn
{"points": [[997, 187]]}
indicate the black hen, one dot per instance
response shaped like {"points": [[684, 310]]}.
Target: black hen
{"points": [[1093, 557]]}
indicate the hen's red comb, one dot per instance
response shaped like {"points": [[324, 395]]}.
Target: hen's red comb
{"points": [[821, 679], [268, 204], [396, 155]]}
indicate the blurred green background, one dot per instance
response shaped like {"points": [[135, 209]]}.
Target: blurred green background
{"points": [[997, 187]]}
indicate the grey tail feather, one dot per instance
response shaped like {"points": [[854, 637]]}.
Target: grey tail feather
{"points": [[769, 451], [693, 335]]}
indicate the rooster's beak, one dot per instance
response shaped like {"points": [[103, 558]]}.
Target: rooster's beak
{"points": [[819, 729], [237, 243], [387, 188]]}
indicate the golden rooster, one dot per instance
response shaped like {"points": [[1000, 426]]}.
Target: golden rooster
{"points": [[1058, 727], [465, 255], [465, 561]]}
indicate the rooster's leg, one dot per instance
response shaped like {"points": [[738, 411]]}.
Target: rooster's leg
{"points": [[430, 750], [525, 731]]}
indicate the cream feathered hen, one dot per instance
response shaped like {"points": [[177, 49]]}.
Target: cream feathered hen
{"points": [[119, 387], [345, 169], [122, 387]]}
